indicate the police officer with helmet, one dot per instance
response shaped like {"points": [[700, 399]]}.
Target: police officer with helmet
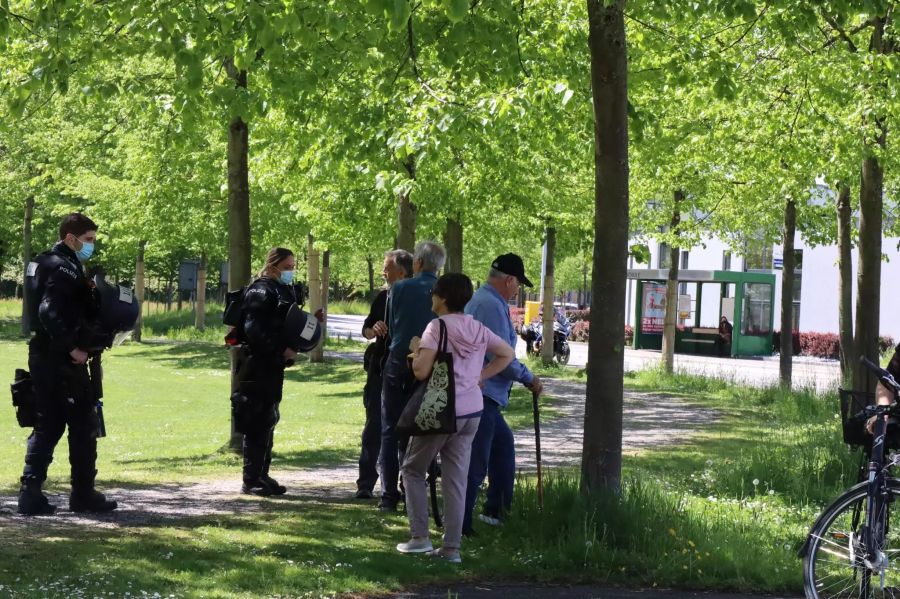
{"points": [[270, 329], [68, 332]]}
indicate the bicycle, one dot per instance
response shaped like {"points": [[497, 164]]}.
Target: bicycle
{"points": [[852, 552]]}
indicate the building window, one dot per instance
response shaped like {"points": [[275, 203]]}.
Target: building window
{"points": [[757, 313], [758, 256], [798, 283], [682, 287], [726, 260]]}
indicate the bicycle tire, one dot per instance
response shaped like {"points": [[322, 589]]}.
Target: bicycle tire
{"points": [[434, 475], [833, 563]]}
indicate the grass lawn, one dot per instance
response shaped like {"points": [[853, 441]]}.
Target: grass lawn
{"points": [[725, 509]]}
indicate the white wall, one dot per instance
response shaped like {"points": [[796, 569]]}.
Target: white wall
{"points": [[819, 288]]}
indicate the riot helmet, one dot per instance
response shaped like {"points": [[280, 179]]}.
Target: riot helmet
{"points": [[301, 330], [116, 313]]}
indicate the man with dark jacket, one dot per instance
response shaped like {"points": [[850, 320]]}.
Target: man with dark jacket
{"points": [[61, 303], [409, 312], [397, 266]]}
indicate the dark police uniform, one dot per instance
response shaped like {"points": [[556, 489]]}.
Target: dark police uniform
{"points": [[61, 305], [260, 372]]}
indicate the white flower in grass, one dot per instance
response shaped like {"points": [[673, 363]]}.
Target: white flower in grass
{"points": [[755, 482]]}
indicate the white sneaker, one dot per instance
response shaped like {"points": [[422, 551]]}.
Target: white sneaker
{"points": [[421, 545], [450, 555], [490, 520]]}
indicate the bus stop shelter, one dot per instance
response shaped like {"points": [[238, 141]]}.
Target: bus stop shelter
{"points": [[744, 298]]}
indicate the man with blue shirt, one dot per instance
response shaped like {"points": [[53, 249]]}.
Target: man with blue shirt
{"points": [[493, 451], [409, 312]]}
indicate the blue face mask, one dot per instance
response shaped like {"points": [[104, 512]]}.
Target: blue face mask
{"points": [[287, 277], [86, 251]]}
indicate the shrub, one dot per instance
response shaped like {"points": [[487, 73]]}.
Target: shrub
{"points": [[823, 345], [578, 315], [580, 330]]}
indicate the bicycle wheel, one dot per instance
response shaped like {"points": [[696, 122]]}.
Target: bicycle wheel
{"points": [[434, 475], [835, 565]]}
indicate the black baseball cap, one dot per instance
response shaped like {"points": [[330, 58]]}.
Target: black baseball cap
{"points": [[511, 264]]}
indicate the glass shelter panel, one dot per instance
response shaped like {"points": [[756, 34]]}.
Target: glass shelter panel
{"points": [[757, 313]]}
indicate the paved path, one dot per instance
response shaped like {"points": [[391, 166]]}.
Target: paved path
{"points": [[808, 372]]}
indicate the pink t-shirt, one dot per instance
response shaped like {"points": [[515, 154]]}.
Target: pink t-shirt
{"points": [[468, 340]]}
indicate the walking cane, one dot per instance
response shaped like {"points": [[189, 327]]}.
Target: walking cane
{"points": [[535, 397]]}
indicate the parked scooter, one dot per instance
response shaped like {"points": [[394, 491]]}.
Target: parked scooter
{"points": [[532, 334]]}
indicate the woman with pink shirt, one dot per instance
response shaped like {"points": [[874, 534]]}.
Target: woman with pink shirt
{"points": [[468, 342]]}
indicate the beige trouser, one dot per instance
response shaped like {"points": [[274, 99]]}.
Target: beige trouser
{"points": [[455, 451]]}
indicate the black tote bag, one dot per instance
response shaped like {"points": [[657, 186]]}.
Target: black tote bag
{"points": [[431, 409]]}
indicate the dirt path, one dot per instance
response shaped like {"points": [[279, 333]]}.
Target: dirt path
{"points": [[650, 420]]}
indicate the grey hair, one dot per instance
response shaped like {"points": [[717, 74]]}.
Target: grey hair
{"points": [[432, 255], [403, 259], [495, 274]]}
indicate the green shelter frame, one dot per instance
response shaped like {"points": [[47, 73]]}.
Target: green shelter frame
{"points": [[753, 317]]}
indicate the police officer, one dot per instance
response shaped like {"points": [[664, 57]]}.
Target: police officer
{"points": [[269, 301], [61, 306]]}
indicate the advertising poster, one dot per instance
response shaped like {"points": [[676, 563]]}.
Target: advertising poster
{"points": [[654, 309]]}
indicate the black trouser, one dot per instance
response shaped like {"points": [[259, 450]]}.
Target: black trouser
{"points": [[397, 386], [258, 450], [64, 398], [261, 381], [371, 433]]}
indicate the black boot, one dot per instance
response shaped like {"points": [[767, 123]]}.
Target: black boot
{"points": [[276, 488], [90, 500], [256, 487], [32, 502]]}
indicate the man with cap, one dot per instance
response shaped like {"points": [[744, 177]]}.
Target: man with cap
{"points": [[493, 451]]}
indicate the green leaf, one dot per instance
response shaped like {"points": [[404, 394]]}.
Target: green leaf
{"points": [[456, 9], [400, 12]]}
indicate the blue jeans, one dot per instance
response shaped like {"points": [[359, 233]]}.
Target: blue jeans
{"points": [[494, 455], [398, 384]]}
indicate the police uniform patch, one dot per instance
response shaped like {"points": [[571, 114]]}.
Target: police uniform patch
{"points": [[68, 271]]}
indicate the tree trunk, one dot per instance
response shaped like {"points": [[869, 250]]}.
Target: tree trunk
{"points": [[601, 458], [547, 328], [326, 282], [315, 293], [786, 357], [371, 267], [871, 204], [868, 296], [407, 213], [139, 286], [26, 260], [239, 247], [200, 309], [671, 316], [845, 285], [453, 242]]}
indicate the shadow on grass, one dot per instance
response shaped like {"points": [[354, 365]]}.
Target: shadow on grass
{"points": [[300, 547], [179, 465]]}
